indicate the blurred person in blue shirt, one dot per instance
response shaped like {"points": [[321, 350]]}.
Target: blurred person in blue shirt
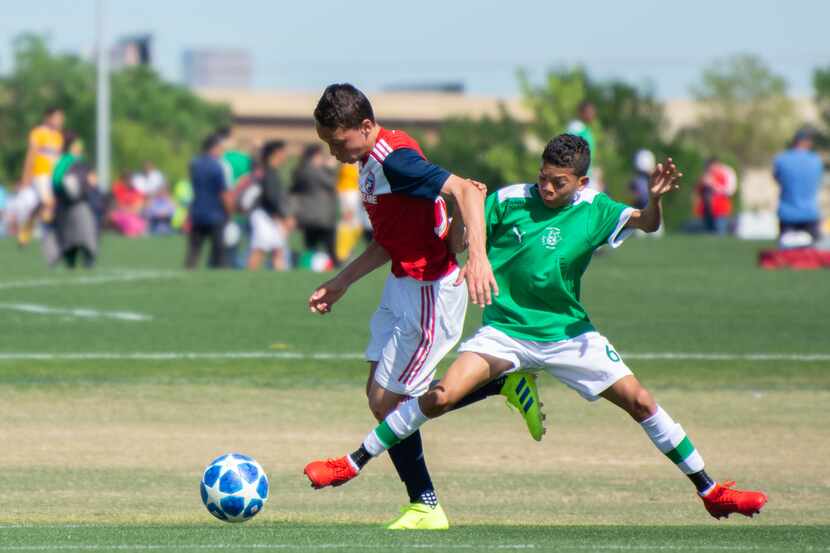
{"points": [[798, 171], [211, 204]]}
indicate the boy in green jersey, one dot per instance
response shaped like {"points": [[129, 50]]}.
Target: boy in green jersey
{"points": [[540, 238]]}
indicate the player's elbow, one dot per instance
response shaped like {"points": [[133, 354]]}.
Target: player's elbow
{"points": [[462, 190]]}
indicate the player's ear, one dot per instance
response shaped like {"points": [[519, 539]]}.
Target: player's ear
{"points": [[366, 127], [583, 181]]}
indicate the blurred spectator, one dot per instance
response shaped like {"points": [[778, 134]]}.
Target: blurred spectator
{"points": [[270, 220], [182, 197], [149, 181], [713, 196], [237, 164], [354, 222], [75, 223], [211, 204], [582, 126], [644, 164], [128, 204], [4, 211], [316, 201], [35, 191], [798, 171], [159, 211]]}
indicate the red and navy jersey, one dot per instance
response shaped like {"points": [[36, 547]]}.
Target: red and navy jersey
{"points": [[401, 193]]}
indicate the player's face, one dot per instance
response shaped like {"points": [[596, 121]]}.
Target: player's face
{"points": [[348, 145], [557, 185], [55, 120]]}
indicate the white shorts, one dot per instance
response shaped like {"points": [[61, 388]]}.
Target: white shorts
{"points": [[24, 204], [588, 363], [266, 233], [415, 326], [43, 186]]}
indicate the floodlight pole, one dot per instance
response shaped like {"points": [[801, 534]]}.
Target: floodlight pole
{"points": [[102, 134]]}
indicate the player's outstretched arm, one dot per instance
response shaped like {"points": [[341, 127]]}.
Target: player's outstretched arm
{"points": [[457, 235], [325, 296], [479, 275], [664, 179]]}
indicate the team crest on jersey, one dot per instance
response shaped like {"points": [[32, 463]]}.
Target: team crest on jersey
{"points": [[367, 188], [551, 237]]}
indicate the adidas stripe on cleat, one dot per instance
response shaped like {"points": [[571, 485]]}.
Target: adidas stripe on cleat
{"points": [[522, 394]]}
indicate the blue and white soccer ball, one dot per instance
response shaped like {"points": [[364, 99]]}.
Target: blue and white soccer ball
{"points": [[234, 487]]}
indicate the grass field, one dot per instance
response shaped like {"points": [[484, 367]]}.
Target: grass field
{"points": [[118, 385]]}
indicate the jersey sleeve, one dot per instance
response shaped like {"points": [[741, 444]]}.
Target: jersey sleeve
{"points": [[409, 173], [607, 221], [492, 213]]}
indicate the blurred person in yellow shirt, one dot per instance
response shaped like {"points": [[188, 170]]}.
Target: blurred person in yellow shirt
{"points": [[45, 147], [354, 222]]}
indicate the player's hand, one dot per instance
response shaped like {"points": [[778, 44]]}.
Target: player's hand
{"points": [[664, 179], [326, 295], [480, 280]]}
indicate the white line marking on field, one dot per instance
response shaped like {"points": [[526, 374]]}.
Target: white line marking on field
{"points": [[79, 312], [345, 356], [118, 276]]}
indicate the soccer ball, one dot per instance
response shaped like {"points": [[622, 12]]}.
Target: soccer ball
{"points": [[234, 487]]}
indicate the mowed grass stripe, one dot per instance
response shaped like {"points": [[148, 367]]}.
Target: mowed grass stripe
{"points": [[338, 537]]}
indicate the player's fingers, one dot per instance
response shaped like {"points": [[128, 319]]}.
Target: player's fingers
{"points": [[488, 299], [473, 287], [494, 285], [657, 170], [461, 275]]}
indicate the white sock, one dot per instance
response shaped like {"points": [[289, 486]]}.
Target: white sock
{"points": [[399, 424], [406, 419], [670, 438]]}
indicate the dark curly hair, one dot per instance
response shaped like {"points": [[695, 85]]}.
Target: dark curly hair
{"points": [[343, 106], [568, 150]]}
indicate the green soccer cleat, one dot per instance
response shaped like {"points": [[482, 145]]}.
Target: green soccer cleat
{"points": [[418, 516], [522, 394]]}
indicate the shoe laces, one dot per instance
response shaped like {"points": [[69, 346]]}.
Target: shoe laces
{"points": [[726, 492], [340, 468]]}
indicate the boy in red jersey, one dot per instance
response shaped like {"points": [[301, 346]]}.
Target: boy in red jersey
{"points": [[421, 313]]}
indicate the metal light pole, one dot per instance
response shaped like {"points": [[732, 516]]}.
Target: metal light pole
{"points": [[103, 97]]}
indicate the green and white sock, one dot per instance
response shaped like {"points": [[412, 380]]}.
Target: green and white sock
{"points": [[398, 425], [671, 440]]}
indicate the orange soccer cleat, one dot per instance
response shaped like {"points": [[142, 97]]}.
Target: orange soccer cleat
{"points": [[722, 501], [331, 472]]}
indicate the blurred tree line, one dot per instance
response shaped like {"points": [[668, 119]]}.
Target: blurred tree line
{"points": [[743, 117], [151, 119]]}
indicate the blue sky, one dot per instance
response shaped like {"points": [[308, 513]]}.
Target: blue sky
{"points": [[304, 45]]}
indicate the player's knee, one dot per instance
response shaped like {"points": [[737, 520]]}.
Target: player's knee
{"points": [[378, 407], [643, 405], [436, 402]]}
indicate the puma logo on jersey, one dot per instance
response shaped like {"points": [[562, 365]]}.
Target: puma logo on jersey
{"points": [[519, 234]]}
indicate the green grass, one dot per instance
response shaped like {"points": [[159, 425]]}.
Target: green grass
{"points": [[105, 454], [359, 538]]}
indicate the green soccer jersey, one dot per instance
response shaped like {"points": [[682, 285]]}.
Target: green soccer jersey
{"points": [[236, 164], [539, 255]]}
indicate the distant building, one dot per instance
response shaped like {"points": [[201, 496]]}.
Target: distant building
{"points": [[217, 68]]}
